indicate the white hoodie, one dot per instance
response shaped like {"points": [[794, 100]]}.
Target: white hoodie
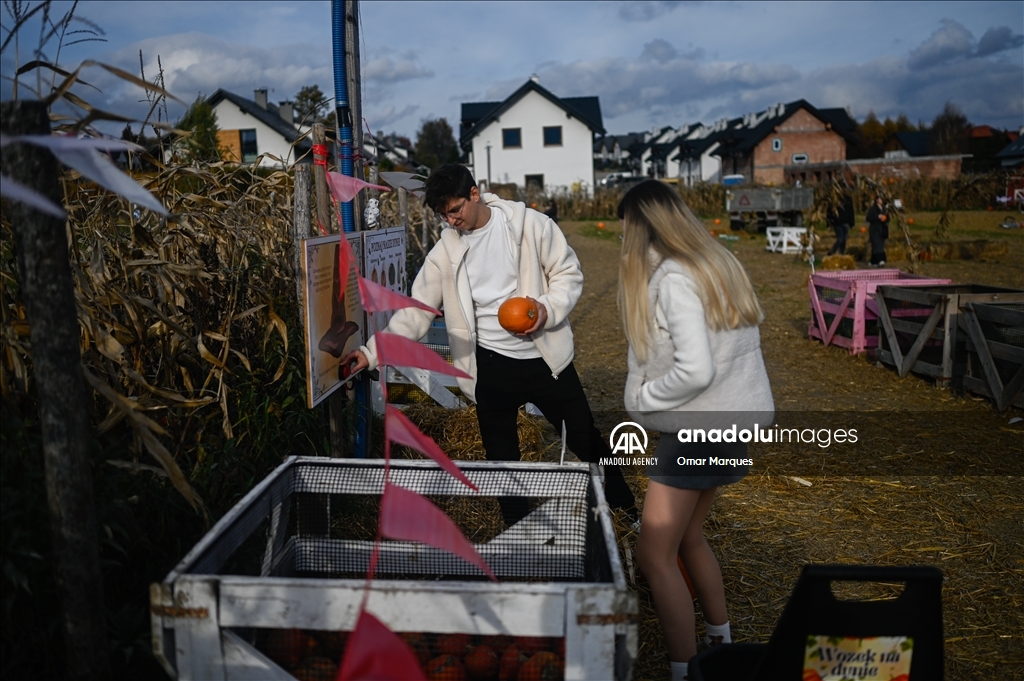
{"points": [[549, 272]]}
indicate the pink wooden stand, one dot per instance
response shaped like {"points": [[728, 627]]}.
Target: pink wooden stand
{"points": [[850, 295]]}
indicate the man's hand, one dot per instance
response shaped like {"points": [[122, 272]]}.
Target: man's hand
{"points": [[542, 318], [353, 362]]}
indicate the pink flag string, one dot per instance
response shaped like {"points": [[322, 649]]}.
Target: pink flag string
{"points": [[397, 351], [377, 298], [376, 652], [408, 516], [345, 188], [399, 429], [346, 259]]}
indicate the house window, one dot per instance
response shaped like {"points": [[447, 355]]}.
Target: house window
{"points": [[249, 152], [512, 138], [553, 136], [536, 181], [777, 144], [799, 158]]}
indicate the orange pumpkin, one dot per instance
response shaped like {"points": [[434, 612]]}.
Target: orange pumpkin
{"points": [[542, 667], [600, 225], [718, 221], [910, 221], [517, 314], [511, 662], [481, 662], [454, 644], [883, 218], [863, 229], [446, 668]]}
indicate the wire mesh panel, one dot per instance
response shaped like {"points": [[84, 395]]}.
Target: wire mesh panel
{"points": [[319, 519]]}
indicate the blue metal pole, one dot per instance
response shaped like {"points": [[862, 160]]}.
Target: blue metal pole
{"points": [[343, 115]]}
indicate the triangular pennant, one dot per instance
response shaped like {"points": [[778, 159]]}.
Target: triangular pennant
{"points": [[345, 188], [377, 298], [375, 652], [401, 430], [346, 258], [406, 181], [397, 351], [408, 516]]}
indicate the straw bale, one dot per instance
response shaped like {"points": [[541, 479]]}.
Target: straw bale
{"points": [[838, 262]]}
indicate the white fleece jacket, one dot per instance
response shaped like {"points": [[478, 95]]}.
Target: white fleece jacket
{"points": [[549, 272], [695, 377]]}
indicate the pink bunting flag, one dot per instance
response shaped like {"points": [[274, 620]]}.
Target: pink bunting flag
{"points": [[408, 516], [376, 652], [345, 188], [401, 430], [397, 351], [377, 298], [346, 259]]}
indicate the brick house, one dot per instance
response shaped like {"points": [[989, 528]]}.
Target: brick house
{"points": [[786, 144]]}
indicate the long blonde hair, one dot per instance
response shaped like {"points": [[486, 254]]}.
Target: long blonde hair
{"points": [[656, 220]]}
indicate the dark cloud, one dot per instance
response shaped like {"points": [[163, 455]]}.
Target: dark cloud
{"points": [[659, 50], [998, 39], [952, 41], [645, 10]]}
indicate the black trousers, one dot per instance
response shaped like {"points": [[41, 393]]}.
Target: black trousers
{"points": [[839, 246], [877, 233], [505, 384]]}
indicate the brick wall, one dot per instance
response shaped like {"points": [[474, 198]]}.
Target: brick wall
{"points": [[801, 133], [930, 167]]}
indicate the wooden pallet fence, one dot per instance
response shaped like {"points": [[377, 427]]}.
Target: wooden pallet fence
{"points": [[995, 351], [843, 310], [920, 328]]}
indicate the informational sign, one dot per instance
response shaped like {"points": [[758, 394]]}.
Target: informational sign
{"points": [[838, 658], [384, 258], [332, 310]]}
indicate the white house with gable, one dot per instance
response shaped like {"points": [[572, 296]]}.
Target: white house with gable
{"points": [[532, 138], [250, 128]]}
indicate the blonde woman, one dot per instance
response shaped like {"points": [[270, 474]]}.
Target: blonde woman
{"points": [[697, 375]]}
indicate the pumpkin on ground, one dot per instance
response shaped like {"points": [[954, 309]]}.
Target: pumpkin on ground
{"points": [[446, 668], [517, 314], [545, 666]]}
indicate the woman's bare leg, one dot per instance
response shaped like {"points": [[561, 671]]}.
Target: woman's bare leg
{"points": [[701, 563]]}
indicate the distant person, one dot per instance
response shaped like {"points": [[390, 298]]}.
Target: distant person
{"points": [[841, 218], [878, 232], [691, 317], [552, 211], [495, 250]]}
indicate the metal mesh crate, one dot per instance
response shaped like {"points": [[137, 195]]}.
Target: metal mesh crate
{"points": [[294, 554]]}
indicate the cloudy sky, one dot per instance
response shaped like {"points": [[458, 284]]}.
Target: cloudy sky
{"points": [[650, 63]]}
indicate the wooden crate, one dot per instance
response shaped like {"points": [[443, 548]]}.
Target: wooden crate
{"points": [[843, 310], [920, 327], [995, 351], [293, 554]]}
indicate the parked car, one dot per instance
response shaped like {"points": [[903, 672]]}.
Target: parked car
{"points": [[612, 179]]}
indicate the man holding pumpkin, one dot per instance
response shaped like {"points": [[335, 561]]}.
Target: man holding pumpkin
{"points": [[498, 250]]}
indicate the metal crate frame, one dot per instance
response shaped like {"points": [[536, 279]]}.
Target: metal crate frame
{"points": [[194, 609]]}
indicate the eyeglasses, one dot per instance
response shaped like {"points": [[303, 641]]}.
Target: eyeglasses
{"points": [[453, 213]]}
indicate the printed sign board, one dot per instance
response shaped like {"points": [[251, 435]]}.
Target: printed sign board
{"points": [[333, 313], [838, 658], [384, 262]]}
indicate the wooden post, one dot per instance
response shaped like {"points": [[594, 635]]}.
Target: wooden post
{"points": [[403, 207], [355, 103], [323, 196], [44, 272]]}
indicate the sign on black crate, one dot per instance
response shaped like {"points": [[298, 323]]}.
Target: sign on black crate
{"points": [[271, 590]]}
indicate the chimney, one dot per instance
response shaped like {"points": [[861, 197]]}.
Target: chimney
{"points": [[261, 97], [285, 109]]}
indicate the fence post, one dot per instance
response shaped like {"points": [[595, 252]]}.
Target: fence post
{"points": [[300, 226], [44, 272]]}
